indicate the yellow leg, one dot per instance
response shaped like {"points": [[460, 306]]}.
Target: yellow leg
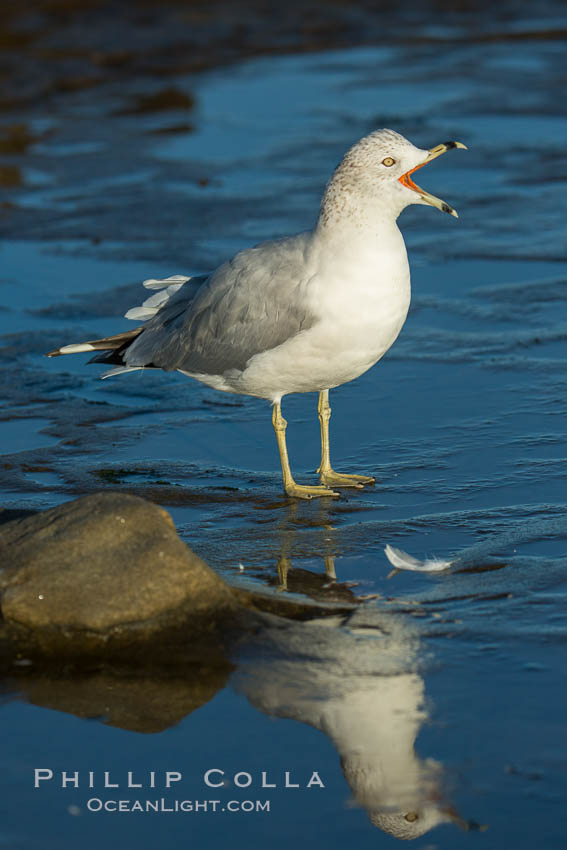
{"points": [[330, 571], [327, 474], [298, 491], [284, 565]]}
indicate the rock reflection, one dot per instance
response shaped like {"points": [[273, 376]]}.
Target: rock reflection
{"points": [[355, 679], [141, 702]]}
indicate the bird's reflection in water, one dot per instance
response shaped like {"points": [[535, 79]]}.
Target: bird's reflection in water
{"points": [[298, 536], [356, 678]]}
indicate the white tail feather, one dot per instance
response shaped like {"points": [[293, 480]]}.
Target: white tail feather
{"points": [[119, 369], [153, 283], [137, 313], [152, 304], [76, 348]]}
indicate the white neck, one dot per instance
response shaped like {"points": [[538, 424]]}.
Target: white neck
{"points": [[374, 730], [363, 237], [349, 200]]}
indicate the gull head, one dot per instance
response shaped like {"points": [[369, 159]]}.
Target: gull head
{"points": [[416, 822], [410, 824], [377, 172]]}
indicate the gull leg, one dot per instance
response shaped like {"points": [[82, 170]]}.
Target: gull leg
{"points": [[298, 491], [284, 565], [330, 571], [327, 474]]}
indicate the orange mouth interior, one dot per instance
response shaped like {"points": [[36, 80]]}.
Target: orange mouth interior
{"points": [[406, 180]]}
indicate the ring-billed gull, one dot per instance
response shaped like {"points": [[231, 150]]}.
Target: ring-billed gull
{"points": [[301, 314]]}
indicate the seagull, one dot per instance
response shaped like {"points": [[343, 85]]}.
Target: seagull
{"points": [[304, 313], [367, 698]]}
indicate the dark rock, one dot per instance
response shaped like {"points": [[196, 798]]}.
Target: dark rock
{"points": [[107, 565]]}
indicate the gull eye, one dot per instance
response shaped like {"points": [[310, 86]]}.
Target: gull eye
{"points": [[388, 161], [411, 817]]}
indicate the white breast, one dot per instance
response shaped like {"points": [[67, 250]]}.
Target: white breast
{"points": [[361, 294]]}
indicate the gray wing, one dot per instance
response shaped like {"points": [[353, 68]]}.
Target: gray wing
{"points": [[249, 305]]}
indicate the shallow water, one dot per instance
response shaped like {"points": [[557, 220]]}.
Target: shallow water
{"points": [[462, 423]]}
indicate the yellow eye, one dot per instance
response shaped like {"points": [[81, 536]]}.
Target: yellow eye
{"points": [[388, 161], [411, 817]]}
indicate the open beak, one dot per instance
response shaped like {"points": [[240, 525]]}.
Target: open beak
{"points": [[467, 825], [406, 180]]}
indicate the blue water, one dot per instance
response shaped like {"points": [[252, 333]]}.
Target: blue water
{"points": [[462, 423]]}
